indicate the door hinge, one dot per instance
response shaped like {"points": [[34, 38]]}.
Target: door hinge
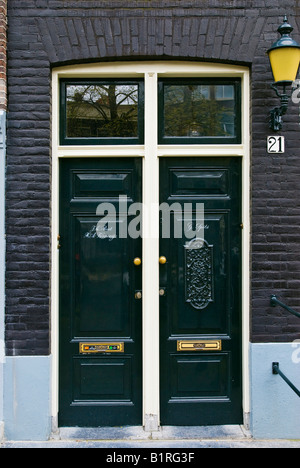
{"points": [[58, 243], [242, 225]]}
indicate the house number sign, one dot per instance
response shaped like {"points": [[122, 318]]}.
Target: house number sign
{"points": [[276, 144]]}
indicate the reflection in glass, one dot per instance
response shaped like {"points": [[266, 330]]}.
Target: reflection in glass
{"points": [[199, 110], [107, 110]]}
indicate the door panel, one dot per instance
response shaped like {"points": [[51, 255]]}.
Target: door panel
{"points": [[100, 379], [188, 267], [98, 281], [109, 286], [202, 279], [199, 376], [198, 183]]}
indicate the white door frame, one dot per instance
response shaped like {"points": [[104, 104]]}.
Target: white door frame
{"points": [[151, 152]]}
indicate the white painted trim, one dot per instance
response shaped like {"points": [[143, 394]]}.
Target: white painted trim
{"points": [[133, 69], [150, 152], [201, 150], [246, 239], [100, 151], [151, 256], [54, 251]]}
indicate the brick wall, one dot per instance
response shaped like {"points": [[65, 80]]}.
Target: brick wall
{"points": [[43, 34]]}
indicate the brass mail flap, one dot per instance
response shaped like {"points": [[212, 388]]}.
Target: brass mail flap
{"points": [[199, 345], [91, 348]]}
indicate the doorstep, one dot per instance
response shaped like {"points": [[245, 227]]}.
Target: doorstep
{"points": [[164, 433]]}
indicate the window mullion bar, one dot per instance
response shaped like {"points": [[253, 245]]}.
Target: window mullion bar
{"points": [[150, 258]]}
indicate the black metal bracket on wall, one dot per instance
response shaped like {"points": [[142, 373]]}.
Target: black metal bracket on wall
{"points": [[277, 113], [274, 302], [277, 371]]}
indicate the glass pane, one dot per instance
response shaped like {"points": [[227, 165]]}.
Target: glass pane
{"points": [[196, 111], [107, 110]]}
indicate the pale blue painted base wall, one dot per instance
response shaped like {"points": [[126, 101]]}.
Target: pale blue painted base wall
{"points": [[275, 408], [27, 398]]}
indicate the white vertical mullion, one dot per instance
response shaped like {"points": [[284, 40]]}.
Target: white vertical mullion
{"points": [[246, 234], [150, 258], [55, 252]]}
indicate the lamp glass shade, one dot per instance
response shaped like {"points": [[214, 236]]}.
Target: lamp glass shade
{"points": [[285, 63]]}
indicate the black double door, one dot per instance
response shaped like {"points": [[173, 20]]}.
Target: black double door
{"points": [[100, 377], [100, 319], [200, 314]]}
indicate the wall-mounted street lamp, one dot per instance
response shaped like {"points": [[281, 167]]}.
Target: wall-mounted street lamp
{"points": [[284, 57]]}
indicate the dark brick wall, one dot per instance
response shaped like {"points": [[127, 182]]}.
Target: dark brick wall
{"points": [[45, 33]]}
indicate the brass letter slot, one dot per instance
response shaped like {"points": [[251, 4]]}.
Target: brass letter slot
{"points": [[199, 345], [92, 348]]}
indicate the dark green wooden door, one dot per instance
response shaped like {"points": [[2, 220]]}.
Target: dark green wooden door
{"points": [[98, 281], [202, 301]]}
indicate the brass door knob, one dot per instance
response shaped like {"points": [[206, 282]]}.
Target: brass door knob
{"points": [[138, 295], [137, 261], [162, 260]]}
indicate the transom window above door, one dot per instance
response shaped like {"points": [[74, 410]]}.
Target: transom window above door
{"points": [[95, 112], [112, 111], [199, 111]]}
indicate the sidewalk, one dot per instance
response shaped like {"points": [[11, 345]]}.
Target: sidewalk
{"points": [[167, 438]]}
